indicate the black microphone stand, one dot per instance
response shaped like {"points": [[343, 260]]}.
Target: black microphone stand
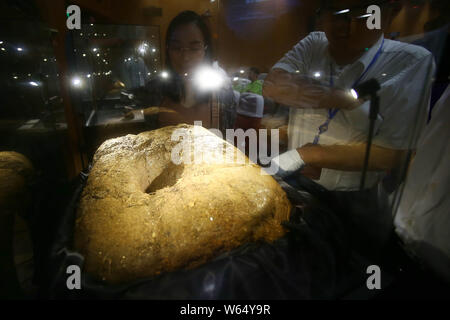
{"points": [[369, 88]]}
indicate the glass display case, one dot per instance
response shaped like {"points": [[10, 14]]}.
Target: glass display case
{"points": [[109, 64], [32, 113], [329, 98]]}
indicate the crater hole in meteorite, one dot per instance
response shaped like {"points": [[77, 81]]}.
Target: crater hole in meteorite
{"points": [[167, 178]]}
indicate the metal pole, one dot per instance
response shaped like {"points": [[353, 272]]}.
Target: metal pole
{"points": [[374, 107]]}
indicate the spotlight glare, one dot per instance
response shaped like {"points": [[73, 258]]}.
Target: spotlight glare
{"points": [[19, 49], [208, 78], [317, 74], [76, 82], [143, 48], [365, 16], [342, 11], [34, 84], [354, 94], [164, 75]]}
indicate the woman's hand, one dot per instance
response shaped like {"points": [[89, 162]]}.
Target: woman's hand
{"points": [[151, 111], [130, 115]]}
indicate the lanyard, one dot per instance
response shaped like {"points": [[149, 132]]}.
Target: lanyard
{"points": [[332, 112]]}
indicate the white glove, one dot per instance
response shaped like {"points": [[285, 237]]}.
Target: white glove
{"points": [[286, 163]]}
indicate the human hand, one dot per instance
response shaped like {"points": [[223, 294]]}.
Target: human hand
{"points": [[339, 99]]}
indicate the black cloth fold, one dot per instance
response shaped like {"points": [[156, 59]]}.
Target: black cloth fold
{"points": [[314, 260]]}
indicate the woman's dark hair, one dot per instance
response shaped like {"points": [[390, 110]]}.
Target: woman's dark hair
{"points": [[173, 87]]}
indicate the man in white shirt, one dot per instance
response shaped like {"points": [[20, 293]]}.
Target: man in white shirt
{"points": [[315, 79], [423, 214]]}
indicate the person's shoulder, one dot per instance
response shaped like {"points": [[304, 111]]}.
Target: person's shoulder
{"points": [[405, 49], [315, 37], [315, 41]]}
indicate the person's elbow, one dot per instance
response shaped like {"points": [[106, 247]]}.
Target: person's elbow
{"points": [[386, 159], [271, 84]]}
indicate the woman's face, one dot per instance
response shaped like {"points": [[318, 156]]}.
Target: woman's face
{"points": [[186, 48]]}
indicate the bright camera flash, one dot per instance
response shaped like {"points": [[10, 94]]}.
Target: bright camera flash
{"points": [[354, 93]]}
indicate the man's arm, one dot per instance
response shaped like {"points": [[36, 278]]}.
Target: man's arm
{"points": [[299, 91], [350, 157]]}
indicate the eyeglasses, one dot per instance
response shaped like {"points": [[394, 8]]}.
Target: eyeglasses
{"points": [[347, 15], [191, 49], [356, 13]]}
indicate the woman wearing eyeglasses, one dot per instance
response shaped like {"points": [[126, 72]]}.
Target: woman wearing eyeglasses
{"points": [[177, 91]]}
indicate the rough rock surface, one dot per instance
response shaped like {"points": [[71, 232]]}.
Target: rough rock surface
{"points": [[140, 214]]}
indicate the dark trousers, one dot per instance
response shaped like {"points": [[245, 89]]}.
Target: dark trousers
{"points": [[369, 226]]}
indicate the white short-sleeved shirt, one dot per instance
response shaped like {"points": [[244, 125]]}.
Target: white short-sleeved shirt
{"points": [[404, 72], [423, 215]]}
